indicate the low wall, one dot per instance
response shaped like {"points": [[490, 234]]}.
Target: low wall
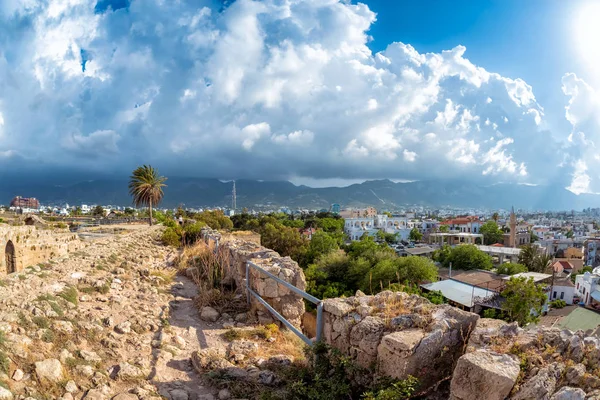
{"points": [[239, 251], [399, 334], [24, 246]]}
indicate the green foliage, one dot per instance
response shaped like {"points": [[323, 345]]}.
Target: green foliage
{"points": [[70, 294], [98, 211], [192, 232], [511, 269], [558, 303], [4, 362], [465, 257], [570, 234], [322, 243], [491, 232], [170, 238], [489, 313], [415, 235], [527, 256], [582, 271], [41, 322], [146, 187], [523, 300], [444, 228], [214, 219], [403, 389]]}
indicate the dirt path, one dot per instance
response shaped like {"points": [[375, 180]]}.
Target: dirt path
{"points": [[110, 320]]}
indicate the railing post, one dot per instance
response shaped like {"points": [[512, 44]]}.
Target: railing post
{"points": [[248, 282], [319, 321]]}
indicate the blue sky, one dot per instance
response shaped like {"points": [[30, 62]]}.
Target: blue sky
{"points": [[314, 91]]}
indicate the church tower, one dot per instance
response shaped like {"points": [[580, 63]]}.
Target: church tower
{"points": [[512, 242]]}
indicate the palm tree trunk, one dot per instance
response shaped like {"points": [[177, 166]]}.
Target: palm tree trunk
{"points": [[150, 212]]}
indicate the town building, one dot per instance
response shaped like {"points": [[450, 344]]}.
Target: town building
{"points": [[470, 224], [586, 288], [369, 212], [335, 208], [25, 202]]}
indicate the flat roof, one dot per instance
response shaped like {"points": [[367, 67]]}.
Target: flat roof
{"points": [[580, 318], [458, 292], [513, 251], [415, 251], [483, 279], [535, 275]]}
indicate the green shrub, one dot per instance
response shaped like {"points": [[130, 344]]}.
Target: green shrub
{"points": [[398, 390], [170, 238], [48, 336], [192, 233], [489, 313], [558, 303]]}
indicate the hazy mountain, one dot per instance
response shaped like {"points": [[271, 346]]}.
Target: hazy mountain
{"points": [[204, 192]]}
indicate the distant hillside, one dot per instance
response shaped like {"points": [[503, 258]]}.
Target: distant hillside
{"points": [[208, 192]]}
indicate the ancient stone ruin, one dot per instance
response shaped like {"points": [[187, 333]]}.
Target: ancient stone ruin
{"points": [[24, 246], [240, 250]]}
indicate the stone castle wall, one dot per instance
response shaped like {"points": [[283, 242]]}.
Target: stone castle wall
{"points": [[32, 245], [239, 251]]}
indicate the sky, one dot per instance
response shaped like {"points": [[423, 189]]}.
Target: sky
{"points": [[319, 92]]}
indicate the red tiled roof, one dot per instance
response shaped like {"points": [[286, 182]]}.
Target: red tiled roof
{"points": [[563, 264], [497, 245]]}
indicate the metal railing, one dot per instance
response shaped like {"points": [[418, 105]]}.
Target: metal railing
{"points": [[312, 299]]}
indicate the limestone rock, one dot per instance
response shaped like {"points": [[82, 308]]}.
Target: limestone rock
{"points": [[18, 375], [484, 375], [542, 385], [5, 394], [569, 393], [71, 387], [123, 327], [128, 371], [209, 314], [49, 369], [337, 307]]}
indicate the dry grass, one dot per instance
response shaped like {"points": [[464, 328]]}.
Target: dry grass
{"points": [[272, 341], [210, 275]]}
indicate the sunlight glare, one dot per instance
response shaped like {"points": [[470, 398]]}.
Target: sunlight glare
{"points": [[587, 36]]}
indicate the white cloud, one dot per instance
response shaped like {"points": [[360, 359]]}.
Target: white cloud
{"points": [[269, 90], [252, 133]]}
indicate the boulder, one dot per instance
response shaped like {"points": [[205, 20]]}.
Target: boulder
{"points": [[209, 314], [484, 375], [337, 307], [50, 370]]}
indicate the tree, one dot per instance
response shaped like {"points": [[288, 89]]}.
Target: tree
{"points": [[570, 234], [320, 244], [98, 211], [491, 232], [467, 257], [511, 269], [415, 235], [542, 263], [145, 186], [527, 256], [523, 300], [444, 228], [495, 217]]}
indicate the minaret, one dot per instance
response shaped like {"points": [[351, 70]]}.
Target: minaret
{"points": [[512, 242], [233, 199]]}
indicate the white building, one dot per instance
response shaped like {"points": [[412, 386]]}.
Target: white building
{"points": [[586, 287], [355, 228], [562, 289]]}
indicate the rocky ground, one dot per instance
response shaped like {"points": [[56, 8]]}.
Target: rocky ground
{"points": [[112, 321]]}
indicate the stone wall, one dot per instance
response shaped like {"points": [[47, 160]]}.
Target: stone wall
{"points": [[505, 361], [399, 334], [32, 245], [239, 250]]}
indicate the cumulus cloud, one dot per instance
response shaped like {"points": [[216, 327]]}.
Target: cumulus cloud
{"points": [[267, 90]]}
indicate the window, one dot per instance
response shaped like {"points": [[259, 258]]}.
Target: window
{"points": [[578, 286], [584, 290], [562, 295], [554, 295]]}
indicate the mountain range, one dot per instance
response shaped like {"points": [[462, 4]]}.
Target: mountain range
{"points": [[382, 194]]}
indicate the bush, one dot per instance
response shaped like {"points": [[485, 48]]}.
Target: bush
{"points": [[558, 303], [170, 238], [489, 313], [70, 294], [192, 233]]}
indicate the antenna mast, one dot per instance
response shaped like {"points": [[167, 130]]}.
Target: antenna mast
{"points": [[233, 199]]}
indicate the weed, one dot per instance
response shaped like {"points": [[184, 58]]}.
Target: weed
{"points": [[4, 362], [261, 332], [70, 294], [48, 336], [22, 277], [41, 322], [3, 283], [2, 338]]}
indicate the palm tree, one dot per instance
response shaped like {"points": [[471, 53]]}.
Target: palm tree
{"points": [[542, 263], [527, 256], [145, 186], [495, 217]]}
